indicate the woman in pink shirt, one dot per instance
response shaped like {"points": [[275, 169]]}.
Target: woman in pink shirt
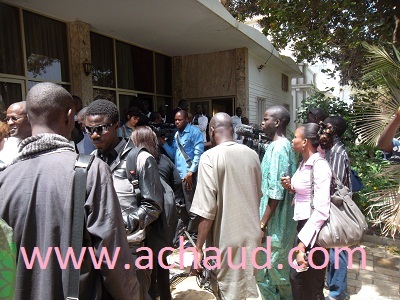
{"points": [[309, 284]]}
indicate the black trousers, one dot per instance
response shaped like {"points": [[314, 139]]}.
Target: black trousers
{"points": [[160, 281], [190, 220], [143, 276], [308, 285]]}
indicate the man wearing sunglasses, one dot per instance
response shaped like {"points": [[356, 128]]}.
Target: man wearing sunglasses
{"points": [[20, 128], [102, 121]]}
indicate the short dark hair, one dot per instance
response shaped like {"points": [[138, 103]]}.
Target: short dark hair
{"points": [[184, 112], [103, 107], [132, 111], [46, 101], [319, 114], [339, 125], [181, 102], [77, 100], [154, 116]]}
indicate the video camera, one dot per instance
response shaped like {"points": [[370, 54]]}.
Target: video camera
{"points": [[254, 138], [165, 130], [251, 132]]}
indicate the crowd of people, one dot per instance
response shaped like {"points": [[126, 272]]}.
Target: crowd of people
{"points": [[227, 197]]}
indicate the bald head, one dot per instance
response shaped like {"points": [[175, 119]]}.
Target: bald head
{"points": [[18, 121], [49, 107], [19, 107], [281, 113], [221, 129]]}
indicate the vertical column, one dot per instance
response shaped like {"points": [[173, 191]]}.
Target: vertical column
{"points": [[79, 41], [177, 80], [242, 80]]}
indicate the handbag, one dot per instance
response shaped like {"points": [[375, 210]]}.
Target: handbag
{"points": [[346, 223]]}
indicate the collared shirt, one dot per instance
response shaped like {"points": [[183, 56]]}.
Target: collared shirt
{"points": [[301, 182], [192, 142], [125, 131], [110, 157], [201, 122]]}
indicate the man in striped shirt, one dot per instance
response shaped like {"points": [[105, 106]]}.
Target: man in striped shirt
{"points": [[339, 160]]}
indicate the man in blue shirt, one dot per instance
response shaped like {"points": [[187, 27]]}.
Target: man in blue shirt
{"points": [[186, 149]]}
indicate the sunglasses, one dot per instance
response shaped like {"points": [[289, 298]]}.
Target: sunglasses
{"points": [[100, 129], [13, 118]]}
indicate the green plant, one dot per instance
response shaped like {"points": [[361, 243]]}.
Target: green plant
{"points": [[365, 158], [374, 105]]}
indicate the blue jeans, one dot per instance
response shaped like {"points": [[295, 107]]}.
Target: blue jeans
{"points": [[336, 279]]}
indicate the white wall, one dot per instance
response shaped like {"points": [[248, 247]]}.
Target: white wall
{"points": [[302, 87], [265, 89]]}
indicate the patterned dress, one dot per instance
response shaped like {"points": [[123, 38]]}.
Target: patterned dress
{"points": [[279, 159]]}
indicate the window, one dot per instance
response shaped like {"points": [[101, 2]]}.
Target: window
{"points": [[46, 48], [285, 83], [261, 107], [135, 68], [163, 74], [104, 94], [140, 74], [102, 51], [10, 36]]}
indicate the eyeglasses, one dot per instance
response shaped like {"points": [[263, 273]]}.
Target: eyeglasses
{"points": [[100, 129], [13, 118]]}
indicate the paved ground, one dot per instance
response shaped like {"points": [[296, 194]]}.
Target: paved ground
{"points": [[379, 280]]}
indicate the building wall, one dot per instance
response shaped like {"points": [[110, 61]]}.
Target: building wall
{"points": [[265, 89], [209, 75], [221, 74]]}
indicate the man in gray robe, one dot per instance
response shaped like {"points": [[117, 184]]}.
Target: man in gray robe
{"points": [[35, 200]]}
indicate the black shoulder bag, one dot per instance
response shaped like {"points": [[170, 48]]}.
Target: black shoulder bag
{"points": [[81, 167]]}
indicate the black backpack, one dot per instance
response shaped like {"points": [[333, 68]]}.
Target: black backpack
{"points": [[162, 231]]}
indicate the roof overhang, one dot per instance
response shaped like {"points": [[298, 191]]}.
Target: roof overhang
{"points": [[173, 27]]}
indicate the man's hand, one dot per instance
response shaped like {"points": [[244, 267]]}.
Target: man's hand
{"points": [[161, 140], [200, 256], [263, 234], [398, 112], [188, 180]]}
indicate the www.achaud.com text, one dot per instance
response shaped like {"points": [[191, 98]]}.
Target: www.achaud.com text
{"points": [[42, 257]]}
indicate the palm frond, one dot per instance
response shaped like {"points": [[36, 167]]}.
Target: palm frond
{"points": [[384, 210], [380, 62], [373, 111]]}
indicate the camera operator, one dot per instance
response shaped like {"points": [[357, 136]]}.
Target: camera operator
{"points": [[155, 117]]}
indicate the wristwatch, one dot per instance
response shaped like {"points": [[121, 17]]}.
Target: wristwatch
{"points": [[262, 225]]}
